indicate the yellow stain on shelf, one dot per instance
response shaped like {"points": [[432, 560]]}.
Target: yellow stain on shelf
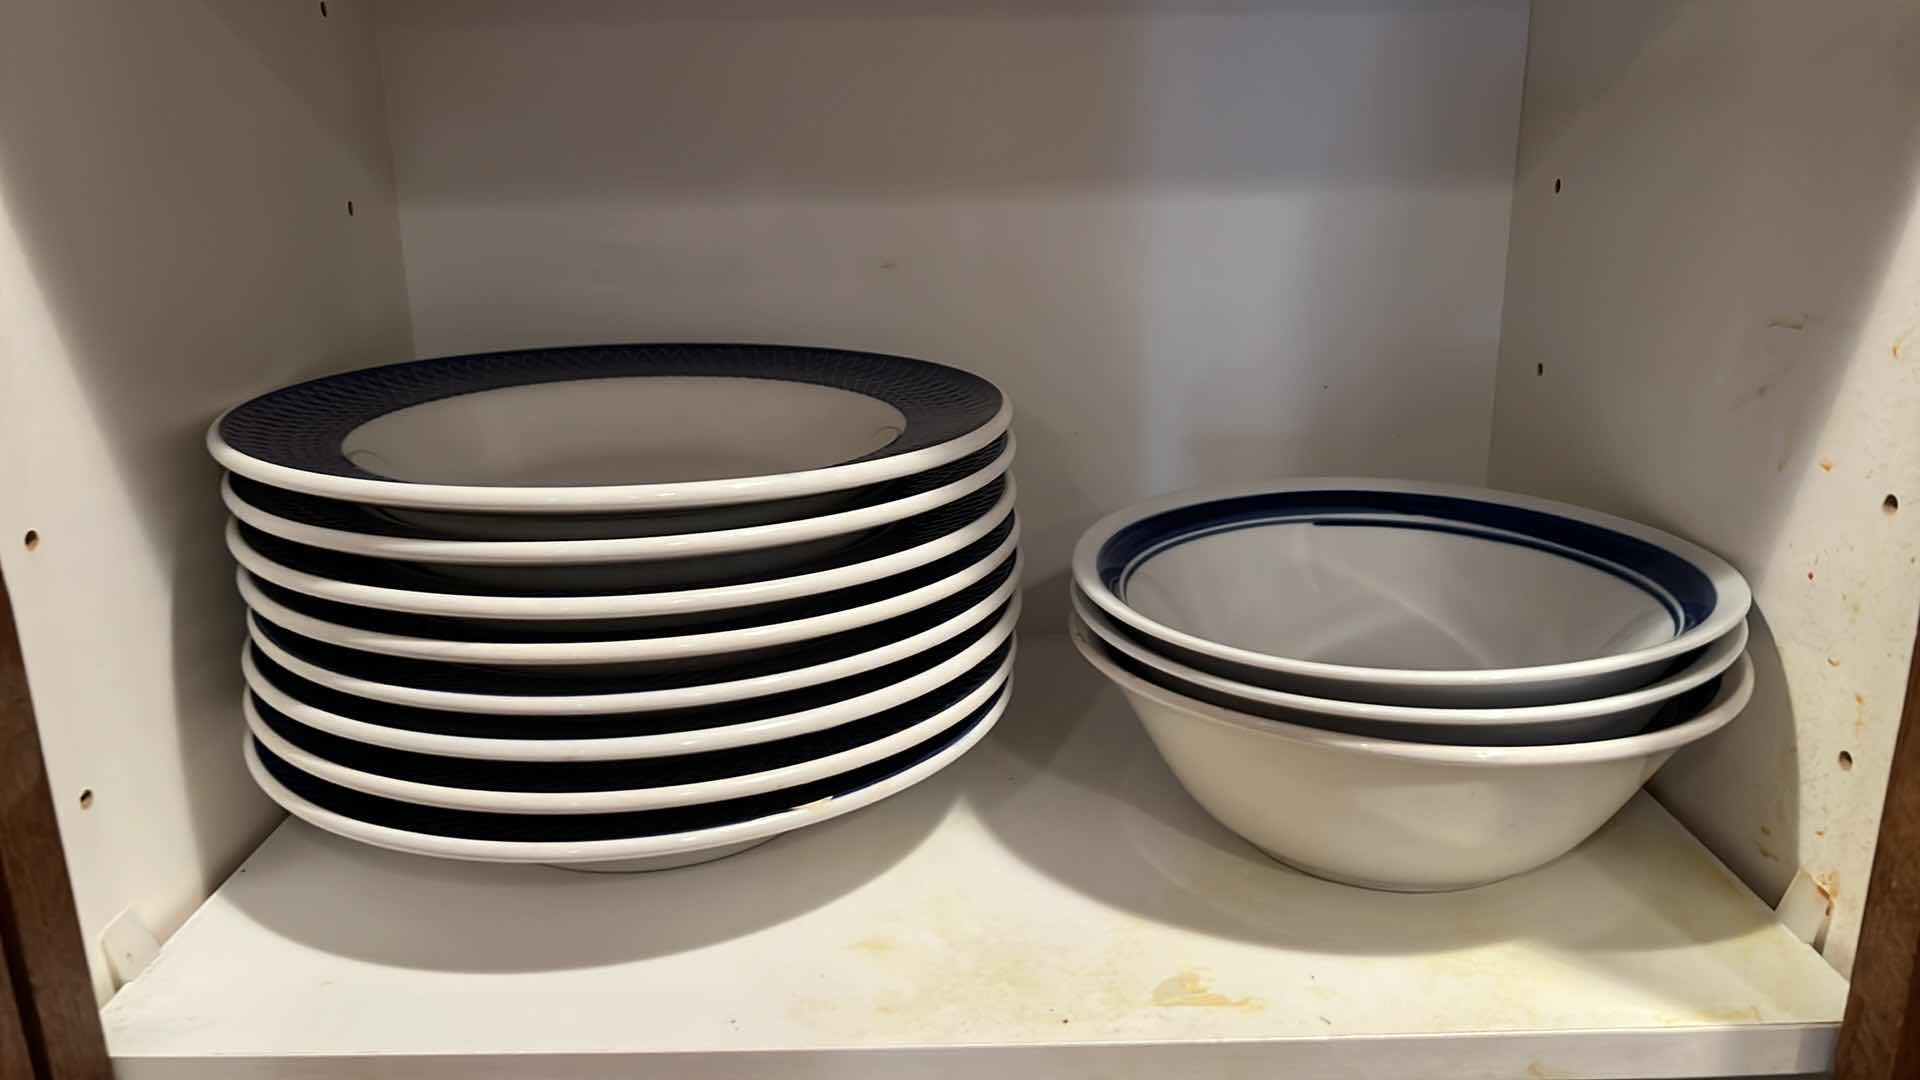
{"points": [[1189, 989], [1747, 1015]]}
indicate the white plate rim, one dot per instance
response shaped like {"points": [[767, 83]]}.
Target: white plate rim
{"points": [[588, 851], [1714, 659], [1732, 697], [662, 744], [620, 800], [647, 700], [606, 498], [625, 549], [624, 650], [1733, 596], [619, 605]]}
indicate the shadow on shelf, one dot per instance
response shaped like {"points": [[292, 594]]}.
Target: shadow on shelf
{"points": [[439, 915]]}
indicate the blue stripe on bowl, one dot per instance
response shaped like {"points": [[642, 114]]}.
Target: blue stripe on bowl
{"points": [[1681, 587]]}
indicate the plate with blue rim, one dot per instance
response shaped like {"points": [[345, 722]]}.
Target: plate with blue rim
{"points": [[624, 428], [758, 632], [630, 840], [632, 784], [611, 736], [685, 591], [493, 689], [382, 532]]}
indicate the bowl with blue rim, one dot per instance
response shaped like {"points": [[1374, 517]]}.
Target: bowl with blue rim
{"points": [[1408, 593]]}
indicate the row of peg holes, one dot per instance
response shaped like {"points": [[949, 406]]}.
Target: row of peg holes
{"points": [[30, 541], [323, 14]]}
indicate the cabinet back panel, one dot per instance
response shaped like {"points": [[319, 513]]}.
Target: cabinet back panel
{"points": [[1196, 242]]}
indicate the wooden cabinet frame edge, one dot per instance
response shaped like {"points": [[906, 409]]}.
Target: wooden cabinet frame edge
{"points": [[52, 1027], [1880, 1038]]}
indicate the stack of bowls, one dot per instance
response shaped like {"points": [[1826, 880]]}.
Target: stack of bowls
{"points": [[1409, 686], [618, 607]]}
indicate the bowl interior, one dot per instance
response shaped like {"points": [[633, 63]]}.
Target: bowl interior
{"points": [[1394, 595], [623, 430]]}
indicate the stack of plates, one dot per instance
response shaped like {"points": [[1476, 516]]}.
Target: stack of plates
{"points": [[624, 607], [1409, 686]]}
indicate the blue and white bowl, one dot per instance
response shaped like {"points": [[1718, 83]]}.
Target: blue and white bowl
{"points": [[1406, 593], [1611, 717]]}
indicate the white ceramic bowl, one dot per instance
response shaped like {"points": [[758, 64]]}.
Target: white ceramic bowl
{"points": [[611, 428], [412, 593], [593, 738], [592, 700], [1411, 817], [379, 535], [1526, 725], [926, 720], [648, 852], [1406, 593], [707, 648]]}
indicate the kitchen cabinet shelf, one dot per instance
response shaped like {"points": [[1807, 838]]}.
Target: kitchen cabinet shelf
{"points": [[1052, 902], [1622, 259]]}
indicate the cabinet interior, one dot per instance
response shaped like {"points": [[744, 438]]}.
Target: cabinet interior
{"points": [[1663, 261]]}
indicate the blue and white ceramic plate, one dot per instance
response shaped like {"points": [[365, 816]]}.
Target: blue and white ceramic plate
{"points": [[611, 428], [680, 592], [621, 736], [1407, 593], [583, 787], [757, 633], [632, 840], [788, 536], [491, 690]]}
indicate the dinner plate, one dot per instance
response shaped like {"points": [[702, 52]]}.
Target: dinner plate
{"points": [[757, 635], [609, 428], [535, 692], [687, 591], [519, 539], [1608, 717], [1398, 592], [623, 736], [614, 786], [644, 839]]}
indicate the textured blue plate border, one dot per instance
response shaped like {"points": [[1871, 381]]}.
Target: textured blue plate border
{"points": [[485, 825], [451, 628], [634, 773], [548, 682], [724, 569], [302, 426], [370, 520], [1683, 588], [511, 728]]}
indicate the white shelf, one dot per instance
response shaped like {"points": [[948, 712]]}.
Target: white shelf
{"points": [[1053, 905]]}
